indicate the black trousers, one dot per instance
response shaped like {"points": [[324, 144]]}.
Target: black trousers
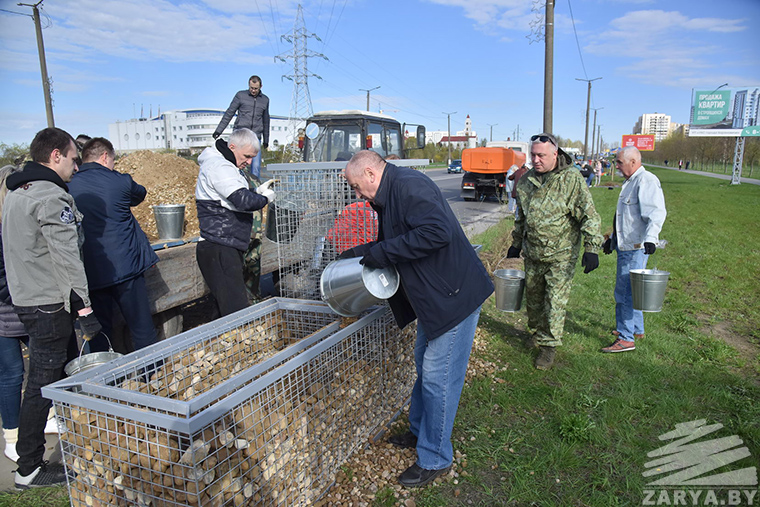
{"points": [[222, 268]]}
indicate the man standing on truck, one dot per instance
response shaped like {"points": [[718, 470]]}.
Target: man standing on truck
{"points": [[443, 285], [225, 202], [555, 213], [116, 251], [48, 285]]}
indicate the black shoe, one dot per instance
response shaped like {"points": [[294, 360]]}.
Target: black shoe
{"points": [[545, 358], [416, 476], [43, 476], [404, 440]]}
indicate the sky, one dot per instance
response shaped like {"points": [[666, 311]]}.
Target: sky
{"points": [[113, 60]]}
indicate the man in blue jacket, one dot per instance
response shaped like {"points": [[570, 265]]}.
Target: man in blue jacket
{"points": [[116, 251], [443, 285]]}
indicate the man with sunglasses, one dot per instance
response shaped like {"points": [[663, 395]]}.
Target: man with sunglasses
{"points": [[555, 215]]}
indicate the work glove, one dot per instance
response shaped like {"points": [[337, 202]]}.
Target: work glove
{"points": [[370, 261], [89, 325], [513, 252], [357, 251], [265, 186], [269, 194], [649, 248], [590, 261], [264, 145], [607, 246], [216, 135]]}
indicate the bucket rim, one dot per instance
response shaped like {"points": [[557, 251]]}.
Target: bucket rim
{"points": [[514, 274], [649, 272], [88, 361]]}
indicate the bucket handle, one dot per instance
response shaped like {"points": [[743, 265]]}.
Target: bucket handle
{"points": [[84, 342]]}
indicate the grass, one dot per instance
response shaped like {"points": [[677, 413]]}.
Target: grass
{"points": [[580, 433]]}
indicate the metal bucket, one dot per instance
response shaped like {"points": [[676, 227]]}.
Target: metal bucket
{"points": [[88, 361], [350, 288], [648, 287], [170, 220], [509, 286]]}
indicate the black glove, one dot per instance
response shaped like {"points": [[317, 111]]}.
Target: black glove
{"points": [[650, 248], [590, 261], [370, 261], [89, 325], [264, 145], [348, 254], [513, 252], [216, 135], [607, 246]]}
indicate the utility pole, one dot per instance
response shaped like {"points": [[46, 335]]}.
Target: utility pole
{"points": [[43, 64], [517, 136], [549, 67], [449, 117], [593, 132], [588, 105], [371, 89], [492, 126]]}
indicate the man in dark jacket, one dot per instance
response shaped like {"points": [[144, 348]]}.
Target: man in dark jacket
{"points": [[225, 203], [443, 285], [252, 108], [116, 251]]}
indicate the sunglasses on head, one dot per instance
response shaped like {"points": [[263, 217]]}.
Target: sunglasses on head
{"points": [[543, 139]]}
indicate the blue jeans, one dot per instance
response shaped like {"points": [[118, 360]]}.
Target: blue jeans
{"points": [[628, 320], [131, 296], [52, 343], [11, 379], [256, 164], [511, 204], [441, 366]]}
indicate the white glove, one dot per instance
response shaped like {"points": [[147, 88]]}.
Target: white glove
{"points": [[265, 186], [268, 193]]}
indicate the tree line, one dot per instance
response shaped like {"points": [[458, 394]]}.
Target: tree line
{"points": [[712, 154]]}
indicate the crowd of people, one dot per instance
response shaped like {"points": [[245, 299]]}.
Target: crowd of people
{"points": [[72, 252]]}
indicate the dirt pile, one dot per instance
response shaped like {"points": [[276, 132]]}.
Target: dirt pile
{"points": [[169, 179]]}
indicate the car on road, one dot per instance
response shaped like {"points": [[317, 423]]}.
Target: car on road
{"points": [[455, 166]]}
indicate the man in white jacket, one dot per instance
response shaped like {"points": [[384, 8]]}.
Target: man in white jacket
{"points": [[224, 204], [638, 221]]}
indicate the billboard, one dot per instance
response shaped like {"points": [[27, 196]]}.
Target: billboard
{"points": [[725, 112], [642, 142]]}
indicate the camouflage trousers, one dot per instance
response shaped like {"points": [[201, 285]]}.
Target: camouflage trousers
{"points": [[547, 288], [252, 257]]}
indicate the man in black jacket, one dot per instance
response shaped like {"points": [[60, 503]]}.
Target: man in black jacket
{"points": [[443, 285]]}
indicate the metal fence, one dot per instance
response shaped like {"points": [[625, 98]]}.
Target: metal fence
{"points": [[258, 408]]}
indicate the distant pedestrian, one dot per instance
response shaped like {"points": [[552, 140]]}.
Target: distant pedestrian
{"points": [[680, 164], [598, 172], [666, 161], [688, 163], [638, 220]]}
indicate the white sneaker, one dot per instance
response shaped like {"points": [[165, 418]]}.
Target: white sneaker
{"points": [[10, 452], [51, 427], [42, 476]]}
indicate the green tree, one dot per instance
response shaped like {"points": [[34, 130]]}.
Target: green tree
{"points": [[12, 153]]}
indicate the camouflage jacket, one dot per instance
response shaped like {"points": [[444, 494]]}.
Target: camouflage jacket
{"points": [[555, 210]]}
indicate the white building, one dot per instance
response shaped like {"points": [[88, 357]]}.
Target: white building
{"points": [[657, 123], [466, 138], [746, 108], [186, 129]]}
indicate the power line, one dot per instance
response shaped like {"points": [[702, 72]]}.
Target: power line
{"points": [[577, 42], [14, 12]]}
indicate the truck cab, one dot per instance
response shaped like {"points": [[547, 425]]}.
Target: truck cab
{"points": [[338, 135]]}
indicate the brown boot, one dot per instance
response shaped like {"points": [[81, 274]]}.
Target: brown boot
{"points": [[545, 358]]}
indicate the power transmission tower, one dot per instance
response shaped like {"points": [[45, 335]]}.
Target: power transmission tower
{"points": [[300, 105]]}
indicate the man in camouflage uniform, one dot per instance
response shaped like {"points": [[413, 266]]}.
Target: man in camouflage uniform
{"points": [[252, 257], [555, 212]]}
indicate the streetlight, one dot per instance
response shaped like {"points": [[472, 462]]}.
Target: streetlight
{"points": [[371, 89], [492, 126], [588, 105], [449, 119]]}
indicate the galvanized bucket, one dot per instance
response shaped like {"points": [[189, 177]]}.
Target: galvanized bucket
{"points": [[88, 361], [170, 220], [509, 286], [350, 288], [648, 288]]}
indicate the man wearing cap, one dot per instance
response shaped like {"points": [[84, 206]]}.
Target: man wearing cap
{"points": [[638, 221], [555, 215]]}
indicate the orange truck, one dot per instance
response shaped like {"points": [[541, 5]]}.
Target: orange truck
{"points": [[485, 171]]}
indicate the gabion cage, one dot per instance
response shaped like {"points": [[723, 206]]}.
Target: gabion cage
{"points": [[258, 408], [316, 216]]}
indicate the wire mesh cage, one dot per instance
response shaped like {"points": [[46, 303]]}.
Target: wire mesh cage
{"points": [[279, 395], [316, 216]]}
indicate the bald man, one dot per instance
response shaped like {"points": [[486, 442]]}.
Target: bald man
{"points": [[443, 285]]}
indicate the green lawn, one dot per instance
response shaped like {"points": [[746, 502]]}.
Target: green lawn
{"points": [[580, 433]]}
